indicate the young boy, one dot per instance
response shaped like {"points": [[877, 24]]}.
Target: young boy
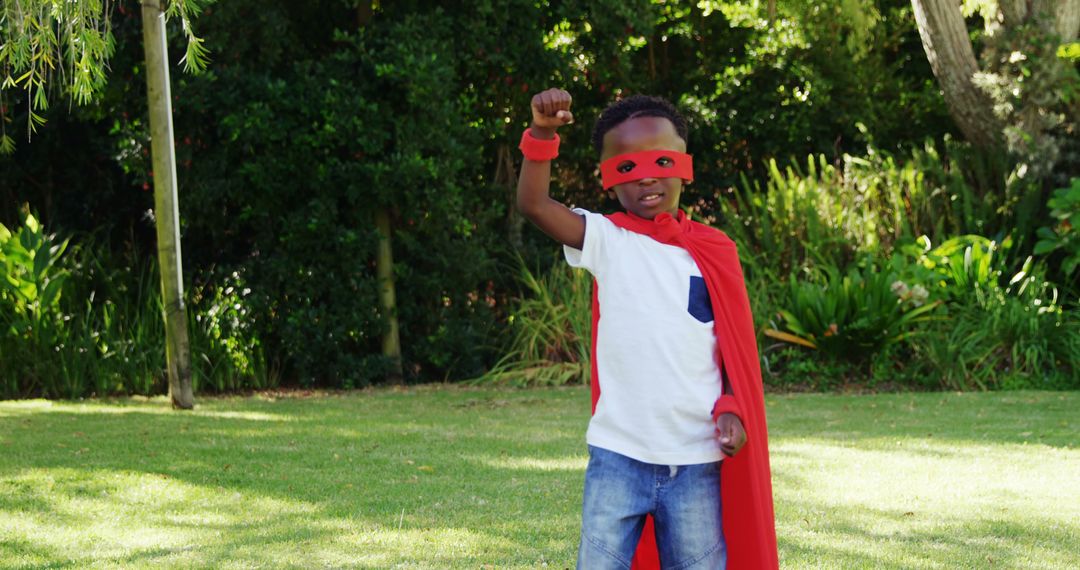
{"points": [[676, 381]]}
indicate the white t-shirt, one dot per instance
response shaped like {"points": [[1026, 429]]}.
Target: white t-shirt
{"points": [[655, 348]]}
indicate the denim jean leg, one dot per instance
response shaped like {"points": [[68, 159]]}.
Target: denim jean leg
{"points": [[617, 497], [689, 530]]}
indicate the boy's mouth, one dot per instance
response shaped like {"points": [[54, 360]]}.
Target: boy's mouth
{"points": [[651, 198]]}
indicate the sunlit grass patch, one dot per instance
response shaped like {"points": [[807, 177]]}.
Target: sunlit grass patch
{"points": [[443, 477], [572, 463], [927, 480]]}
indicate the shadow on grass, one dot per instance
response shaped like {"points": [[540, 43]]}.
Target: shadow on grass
{"points": [[841, 538], [21, 553], [456, 479], [349, 481]]}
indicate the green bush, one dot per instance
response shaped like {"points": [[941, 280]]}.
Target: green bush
{"points": [[1061, 241], [31, 287], [318, 147], [550, 328], [63, 338], [228, 353], [813, 235], [852, 315], [789, 222], [315, 116], [1003, 339], [822, 213], [118, 324], [832, 212], [78, 321], [793, 368], [1006, 329]]}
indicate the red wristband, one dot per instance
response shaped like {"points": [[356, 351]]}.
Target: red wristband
{"points": [[726, 404], [538, 149]]}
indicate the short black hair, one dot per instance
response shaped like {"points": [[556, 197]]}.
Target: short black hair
{"points": [[636, 106]]}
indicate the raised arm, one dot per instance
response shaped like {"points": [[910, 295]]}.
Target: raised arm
{"points": [[550, 110]]}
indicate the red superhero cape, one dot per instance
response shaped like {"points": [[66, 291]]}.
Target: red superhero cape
{"points": [[746, 483]]}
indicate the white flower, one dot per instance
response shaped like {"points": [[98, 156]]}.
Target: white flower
{"points": [[919, 294]]}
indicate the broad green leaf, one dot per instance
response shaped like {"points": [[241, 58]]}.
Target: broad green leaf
{"points": [[32, 223], [42, 261], [28, 242], [27, 291], [52, 292], [1045, 246]]}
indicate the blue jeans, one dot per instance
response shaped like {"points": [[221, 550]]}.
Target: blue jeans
{"points": [[684, 501]]}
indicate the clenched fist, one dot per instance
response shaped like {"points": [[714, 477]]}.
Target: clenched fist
{"points": [[731, 433], [550, 110]]}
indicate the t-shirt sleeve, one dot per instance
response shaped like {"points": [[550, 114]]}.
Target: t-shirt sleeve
{"points": [[600, 235]]}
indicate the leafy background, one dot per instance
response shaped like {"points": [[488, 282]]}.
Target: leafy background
{"points": [[822, 144]]}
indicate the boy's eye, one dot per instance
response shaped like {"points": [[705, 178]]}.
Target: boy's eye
{"points": [[625, 167], [665, 162]]}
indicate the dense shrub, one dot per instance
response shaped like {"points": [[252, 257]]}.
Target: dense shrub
{"points": [[852, 315], [77, 321], [31, 288], [549, 330], [1002, 324], [316, 151], [314, 117], [1059, 241]]}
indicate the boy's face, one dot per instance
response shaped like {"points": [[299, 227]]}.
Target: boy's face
{"points": [[649, 196]]}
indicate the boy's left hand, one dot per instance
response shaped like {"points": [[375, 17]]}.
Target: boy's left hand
{"points": [[731, 433]]}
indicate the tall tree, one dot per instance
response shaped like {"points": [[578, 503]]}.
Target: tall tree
{"points": [[69, 41], [384, 261], [952, 57]]}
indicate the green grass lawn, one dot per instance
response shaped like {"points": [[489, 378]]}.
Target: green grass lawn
{"points": [[439, 477]]}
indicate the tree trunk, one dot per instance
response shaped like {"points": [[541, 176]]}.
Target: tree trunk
{"points": [[384, 268], [1063, 15], [166, 205], [384, 260], [506, 176], [1013, 12], [1058, 17], [948, 47]]}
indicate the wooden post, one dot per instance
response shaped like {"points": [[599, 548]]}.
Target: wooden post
{"points": [[166, 205]]}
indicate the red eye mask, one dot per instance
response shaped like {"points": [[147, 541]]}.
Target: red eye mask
{"points": [[646, 164]]}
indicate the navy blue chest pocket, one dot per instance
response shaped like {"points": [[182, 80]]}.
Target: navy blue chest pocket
{"points": [[699, 306]]}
